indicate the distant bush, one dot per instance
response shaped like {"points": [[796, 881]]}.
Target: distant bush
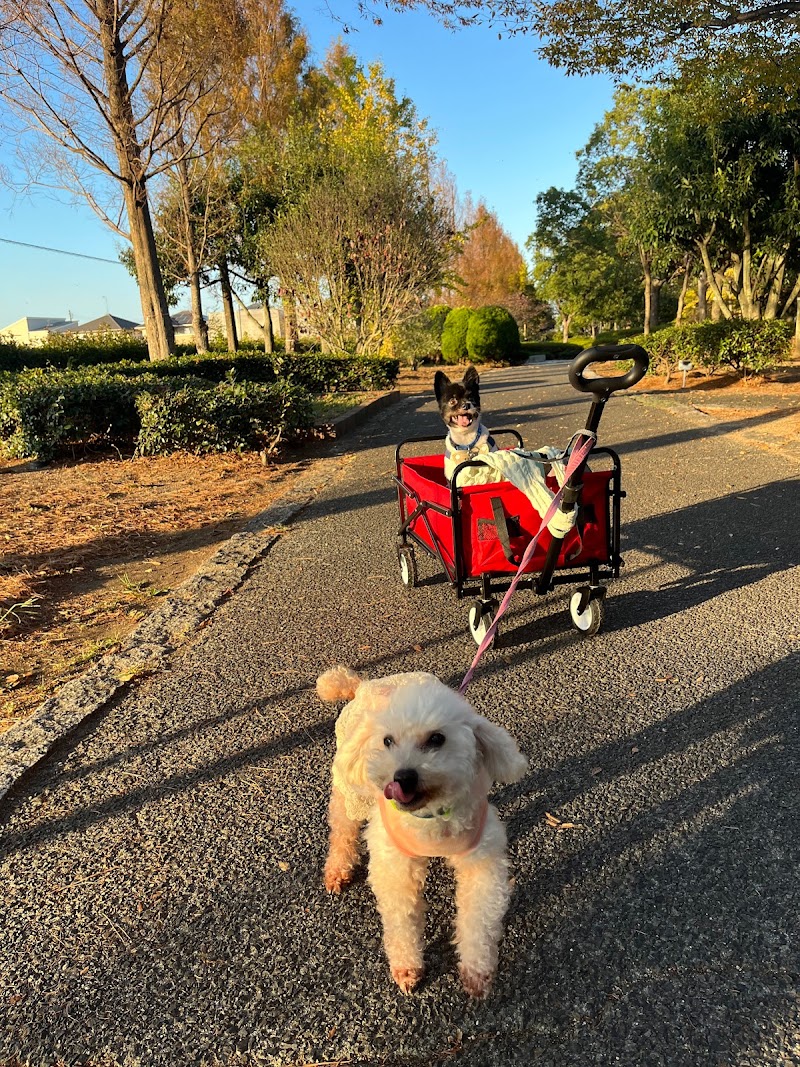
{"points": [[744, 346], [552, 349], [420, 337], [454, 335], [67, 350], [492, 336]]}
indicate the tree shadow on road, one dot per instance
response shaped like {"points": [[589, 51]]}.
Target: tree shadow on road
{"points": [[663, 925]]}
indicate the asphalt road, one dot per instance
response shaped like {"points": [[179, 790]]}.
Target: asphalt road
{"points": [[160, 873]]}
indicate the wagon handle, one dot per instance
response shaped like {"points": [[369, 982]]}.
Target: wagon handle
{"points": [[604, 387]]}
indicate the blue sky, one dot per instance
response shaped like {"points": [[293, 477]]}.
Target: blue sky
{"points": [[508, 126]]}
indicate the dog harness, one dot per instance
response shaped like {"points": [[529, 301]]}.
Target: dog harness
{"points": [[400, 831]]}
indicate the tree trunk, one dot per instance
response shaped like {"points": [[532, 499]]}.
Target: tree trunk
{"points": [[290, 320], [718, 307], [227, 305], [702, 303], [269, 336], [796, 345], [648, 301], [199, 325], [655, 302], [774, 297], [687, 266], [565, 321], [594, 331], [157, 321]]}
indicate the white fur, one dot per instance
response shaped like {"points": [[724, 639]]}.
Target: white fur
{"points": [[453, 779]]}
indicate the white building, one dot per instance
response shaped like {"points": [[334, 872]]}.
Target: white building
{"points": [[34, 330]]}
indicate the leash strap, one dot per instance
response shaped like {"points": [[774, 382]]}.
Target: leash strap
{"points": [[578, 457]]}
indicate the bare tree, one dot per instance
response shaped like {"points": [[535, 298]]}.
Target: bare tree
{"points": [[104, 80], [358, 251]]}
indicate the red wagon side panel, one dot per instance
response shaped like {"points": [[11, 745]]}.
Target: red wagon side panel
{"points": [[481, 549]]}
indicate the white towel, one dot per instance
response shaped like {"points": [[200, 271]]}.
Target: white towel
{"points": [[525, 470]]}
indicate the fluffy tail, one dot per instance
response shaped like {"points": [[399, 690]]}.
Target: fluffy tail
{"points": [[339, 683]]}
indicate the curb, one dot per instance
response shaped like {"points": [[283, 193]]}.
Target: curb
{"points": [[173, 623], [342, 424]]}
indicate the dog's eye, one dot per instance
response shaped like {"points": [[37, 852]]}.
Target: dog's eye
{"points": [[436, 740], [388, 741]]}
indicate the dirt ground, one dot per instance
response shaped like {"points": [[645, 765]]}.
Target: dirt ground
{"points": [[88, 546]]}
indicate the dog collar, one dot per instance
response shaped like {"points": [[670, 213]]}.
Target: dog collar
{"points": [[470, 446]]}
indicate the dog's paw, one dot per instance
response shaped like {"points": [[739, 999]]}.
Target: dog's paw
{"points": [[407, 977], [336, 878], [476, 983]]}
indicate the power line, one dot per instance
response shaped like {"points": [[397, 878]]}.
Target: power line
{"points": [[61, 251]]}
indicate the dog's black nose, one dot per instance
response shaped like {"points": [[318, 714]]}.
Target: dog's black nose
{"points": [[407, 779]]}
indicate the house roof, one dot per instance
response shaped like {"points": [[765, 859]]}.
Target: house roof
{"points": [[39, 322], [183, 318], [107, 322]]}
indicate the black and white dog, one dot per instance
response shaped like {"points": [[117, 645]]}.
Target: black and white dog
{"points": [[460, 407]]}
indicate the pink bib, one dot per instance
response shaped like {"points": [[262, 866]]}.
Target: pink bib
{"points": [[401, 833]]}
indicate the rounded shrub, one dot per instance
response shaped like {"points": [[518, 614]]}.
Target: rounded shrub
{"points": [[492, 335], [454, 335]]}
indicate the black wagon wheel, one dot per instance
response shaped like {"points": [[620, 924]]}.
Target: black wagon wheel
{"points": [[407, 559], [589, 621], [481, 616]]}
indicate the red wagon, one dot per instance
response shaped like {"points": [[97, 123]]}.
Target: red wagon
{"points": [[478, 533]]}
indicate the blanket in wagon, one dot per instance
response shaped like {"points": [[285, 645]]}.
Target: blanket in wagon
{"points": [[525, 470]]}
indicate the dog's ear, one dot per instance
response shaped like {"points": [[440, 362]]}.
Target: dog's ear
{"points": [[472, 379], [501, 756], [339, 683], [351, 751], [440, 383]]}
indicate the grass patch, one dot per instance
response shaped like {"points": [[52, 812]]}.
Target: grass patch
{"points": [[332, 405]]}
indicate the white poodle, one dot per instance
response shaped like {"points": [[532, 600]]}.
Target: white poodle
{"points": [[416, 762]]}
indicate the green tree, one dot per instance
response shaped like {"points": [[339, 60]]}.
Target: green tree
{"points": [[728, 189], [361, 234], [638, 35], [575, 263], [614, 179]]}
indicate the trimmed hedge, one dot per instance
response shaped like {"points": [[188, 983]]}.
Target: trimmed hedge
{"points": [[230, 417], [552, 349], [744, 346], [314, 371], [454, 335], [69, 351], [492, 335], [321, 373], [42, 412], [249, 368]]}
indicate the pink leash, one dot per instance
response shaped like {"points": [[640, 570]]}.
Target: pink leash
{"points": [[578, 456]]}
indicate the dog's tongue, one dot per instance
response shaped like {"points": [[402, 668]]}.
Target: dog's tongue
{"points": [[394, 791], [463, 420]]}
